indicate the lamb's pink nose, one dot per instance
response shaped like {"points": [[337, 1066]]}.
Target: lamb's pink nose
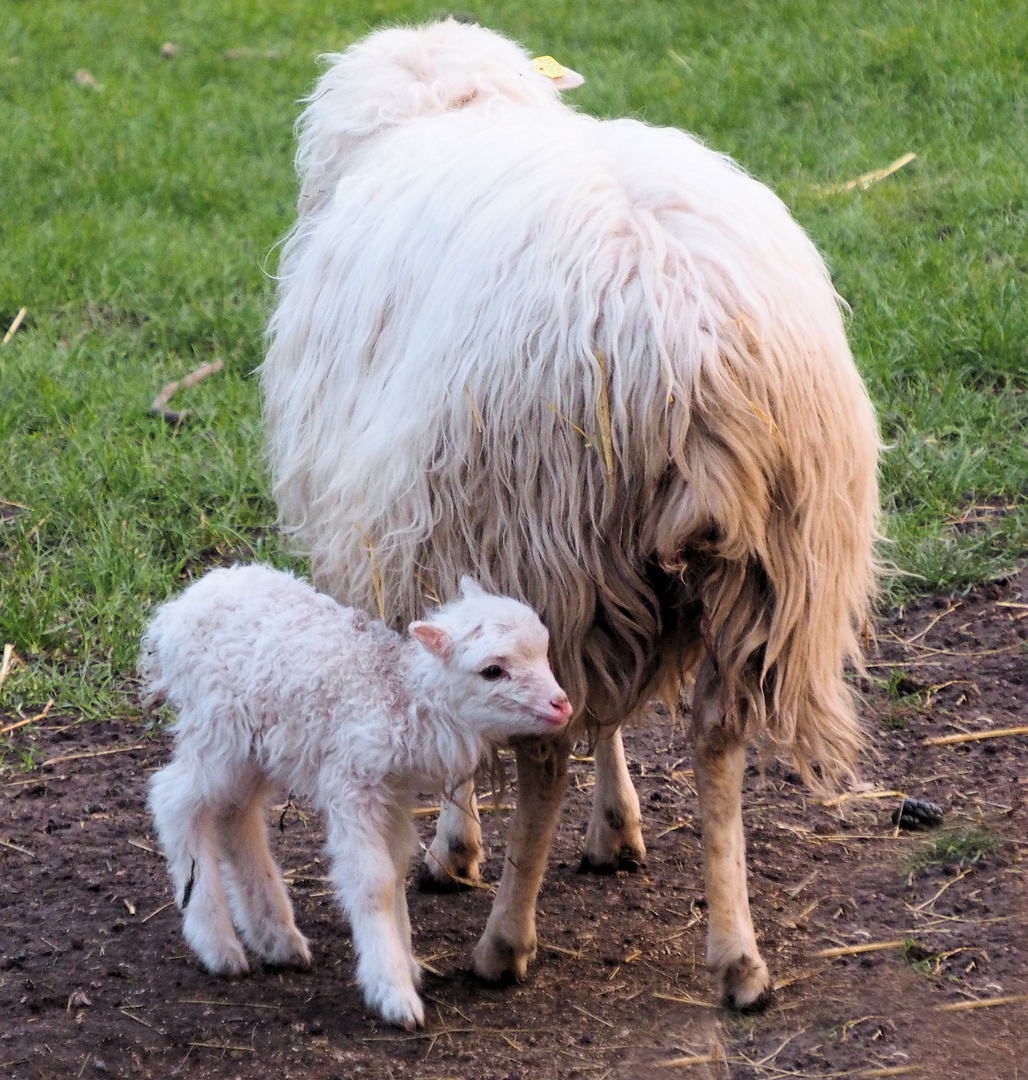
{"points": [[560, 705]]}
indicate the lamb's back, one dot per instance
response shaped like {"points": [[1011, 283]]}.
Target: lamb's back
{"points": [[260, 644]]}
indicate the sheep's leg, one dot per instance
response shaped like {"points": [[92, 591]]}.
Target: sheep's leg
{"points": [[366, 885], [509, 942], [614, 839], [719, 759], [188, 832], [256, 890], [453, 859]]}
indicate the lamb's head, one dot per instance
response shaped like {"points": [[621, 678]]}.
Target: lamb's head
{"points": [[488, 656]]}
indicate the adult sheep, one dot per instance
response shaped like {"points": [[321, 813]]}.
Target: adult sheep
{"points": [[598, 367]]}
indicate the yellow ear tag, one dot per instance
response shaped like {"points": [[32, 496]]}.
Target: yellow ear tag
{"points": [[549, 67]]}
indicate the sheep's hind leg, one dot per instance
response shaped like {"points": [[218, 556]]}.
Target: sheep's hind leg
{"points": [[256, 890], [509, 943], [188, 832], [614, 839], [452, 861], [719, 759]]}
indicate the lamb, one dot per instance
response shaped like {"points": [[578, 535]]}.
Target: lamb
{"points": [[601, 369], [278, 687]]}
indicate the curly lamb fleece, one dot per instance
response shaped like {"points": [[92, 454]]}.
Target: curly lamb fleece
{"points": [[277, 687]]}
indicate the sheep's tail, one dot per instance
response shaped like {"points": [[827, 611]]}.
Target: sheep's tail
{"points": [[786, 570]]}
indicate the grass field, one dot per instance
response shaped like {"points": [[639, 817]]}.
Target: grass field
{"points": [[141, 198]]}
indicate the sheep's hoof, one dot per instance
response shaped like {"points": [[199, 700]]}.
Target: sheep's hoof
{"points": [[612, 843], [498, 961], [455, 870], [630, 859], [746, 985]]}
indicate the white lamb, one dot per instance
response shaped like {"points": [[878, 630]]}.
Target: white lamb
{"points": [[278, 687]]}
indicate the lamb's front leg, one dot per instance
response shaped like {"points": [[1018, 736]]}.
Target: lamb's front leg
{"points": [[453, 859], [719, 760], [509, 942], [403, 843], [614, 839], [365, 876]]}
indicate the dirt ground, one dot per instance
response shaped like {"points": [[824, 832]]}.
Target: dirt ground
{"points": [[96, 981]]}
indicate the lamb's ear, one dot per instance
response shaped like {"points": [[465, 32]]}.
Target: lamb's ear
{"points": [[469, 588], [434, 638]]}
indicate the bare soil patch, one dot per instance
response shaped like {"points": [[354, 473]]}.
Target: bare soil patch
{"points": [[96, 981]]}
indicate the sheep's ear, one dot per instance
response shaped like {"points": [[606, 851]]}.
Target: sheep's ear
{"points": [[570, 80], [469, 588], [434, 637], [562, 78]]}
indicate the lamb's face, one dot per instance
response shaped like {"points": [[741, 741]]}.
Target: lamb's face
{"points": [[494, 651]]}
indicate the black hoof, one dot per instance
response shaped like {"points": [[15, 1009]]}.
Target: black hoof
{"points": [[429, 883]]}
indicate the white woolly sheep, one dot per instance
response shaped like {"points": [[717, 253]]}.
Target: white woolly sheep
{"points": [[277, 687], [601, 369]]}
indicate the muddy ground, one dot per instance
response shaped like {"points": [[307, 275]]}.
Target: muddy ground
{"points": [[95, 979]]}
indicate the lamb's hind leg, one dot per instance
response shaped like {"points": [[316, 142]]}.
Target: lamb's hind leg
{"points": [[452, 862], [187, 828], [256, 890], [719, 760], [509, 942], [614, 839]]}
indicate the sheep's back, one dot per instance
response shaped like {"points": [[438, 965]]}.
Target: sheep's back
{"points": [[586, 361]]}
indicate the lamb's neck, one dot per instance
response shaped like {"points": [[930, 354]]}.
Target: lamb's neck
{"points": [[435, 742]]}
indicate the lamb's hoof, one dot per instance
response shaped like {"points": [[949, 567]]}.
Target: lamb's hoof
{"points": [[229, 965], [400, 1006], [499, 962], [292, 952], [746, 985]]}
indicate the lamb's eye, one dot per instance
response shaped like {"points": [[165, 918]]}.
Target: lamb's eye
{"points": [[492, 672]]}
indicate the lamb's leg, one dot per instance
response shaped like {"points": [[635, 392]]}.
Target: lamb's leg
{"points": [[365, 879], [614, 839], [256, 890], [403, 843], [719, 759], [456, 851], [188, 832], [509, 942]]}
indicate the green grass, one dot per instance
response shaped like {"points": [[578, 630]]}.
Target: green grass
{"points": [[138, 220], [961, 847]]}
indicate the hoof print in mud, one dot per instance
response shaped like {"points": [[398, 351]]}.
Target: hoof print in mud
{"points": [[917, 814]]}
